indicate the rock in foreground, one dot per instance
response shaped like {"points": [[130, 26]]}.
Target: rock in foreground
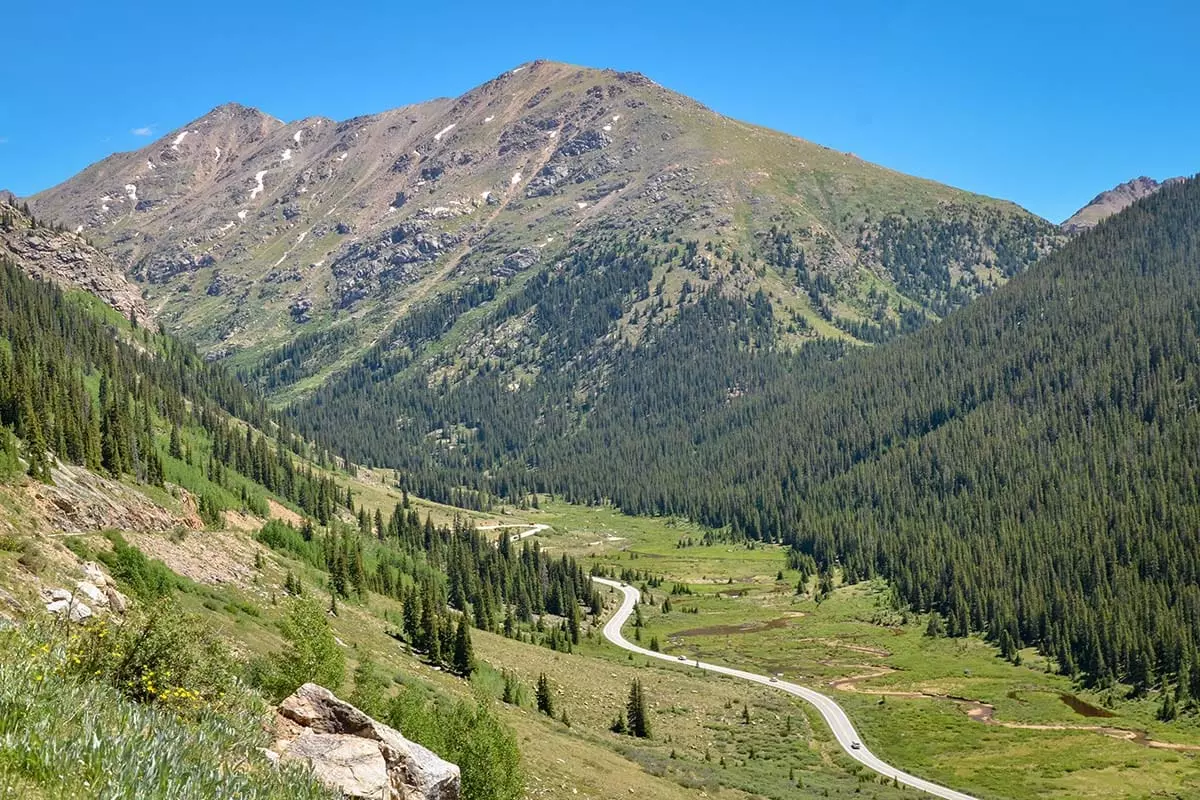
{"points": [[353, 753]]}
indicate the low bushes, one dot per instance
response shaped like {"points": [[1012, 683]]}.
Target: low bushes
{"points": [[64, 733]]}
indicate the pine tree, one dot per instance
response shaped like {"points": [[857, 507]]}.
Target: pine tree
{"points": [[636, 719], [512, 689], [175, 449], [545, 703], [1168, 710], [35, 442], [10, 464], [464, 658]]}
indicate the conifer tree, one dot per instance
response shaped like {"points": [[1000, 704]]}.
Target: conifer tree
{"points": [[545, 702], [636, 718], [464, 657]]}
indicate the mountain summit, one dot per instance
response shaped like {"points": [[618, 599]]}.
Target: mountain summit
{"points": [[247, 232], [1109, 202]]}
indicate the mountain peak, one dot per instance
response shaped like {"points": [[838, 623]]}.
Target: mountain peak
{"points": [[1111, 201], [289, 223]]}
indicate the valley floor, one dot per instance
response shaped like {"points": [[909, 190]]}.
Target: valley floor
{"points": [[947, 710]]}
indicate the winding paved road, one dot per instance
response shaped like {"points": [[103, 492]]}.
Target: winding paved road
{"points": [[835, 717], [534, 529]]}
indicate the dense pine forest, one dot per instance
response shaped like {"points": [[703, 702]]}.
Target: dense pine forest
{"points": [[1025, 468], [1022, 468], [93, 389], [79, 384]]}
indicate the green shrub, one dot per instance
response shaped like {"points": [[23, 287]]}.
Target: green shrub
{"points": [[210, 511], [31, 557], [470, 735], [65, 734], [146, 579], [370, 689], [312, 653], [10, 459], [161, 656], [284, 538]]}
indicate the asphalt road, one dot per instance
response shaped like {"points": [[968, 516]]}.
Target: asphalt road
{"points": [[835, 717]]}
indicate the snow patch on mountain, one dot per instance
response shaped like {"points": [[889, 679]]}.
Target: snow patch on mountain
{"points": [[258, 184]]}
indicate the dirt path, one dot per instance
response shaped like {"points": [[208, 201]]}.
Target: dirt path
{"points": [[985, 713]]}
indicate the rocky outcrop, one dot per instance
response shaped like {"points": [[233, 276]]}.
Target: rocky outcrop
{"points": [[516, 262], [395, 257], [68, 260], [80, 501], [351, 752], [93, 594], [584, 142], [64, 602], [163, 265]]}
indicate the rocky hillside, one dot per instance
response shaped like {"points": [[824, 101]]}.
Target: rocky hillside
{"points": [[247, 232], [68, 259], [1116, 199]]}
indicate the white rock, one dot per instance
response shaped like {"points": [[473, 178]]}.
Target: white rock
{"points": [[92, 592], [55, 595], [75, 611], [352, 765], [94, 573], [352, 752]]}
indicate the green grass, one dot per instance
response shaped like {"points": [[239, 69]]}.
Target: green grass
{"points": [[758, 622], [64, 737], [696, 716]]}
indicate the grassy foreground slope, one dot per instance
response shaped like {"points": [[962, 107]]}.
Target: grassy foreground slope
{"points": [[237, 587]]}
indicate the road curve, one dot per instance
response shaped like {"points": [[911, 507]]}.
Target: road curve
{"points": [[534, 529], [835, 717]]}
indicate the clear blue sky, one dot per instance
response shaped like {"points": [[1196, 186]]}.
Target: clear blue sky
{"points": [[1042, 103]]}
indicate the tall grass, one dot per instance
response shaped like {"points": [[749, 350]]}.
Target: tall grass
{"points": [[63, 736]]}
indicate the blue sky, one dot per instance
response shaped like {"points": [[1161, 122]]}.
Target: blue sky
{"points": [[1041, 103]]}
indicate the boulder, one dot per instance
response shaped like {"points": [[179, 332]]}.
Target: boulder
{"points": [[349, 751], [94, 594], [116, 601], [57, 595], [354, 766], [93, 573], [75, 610]]}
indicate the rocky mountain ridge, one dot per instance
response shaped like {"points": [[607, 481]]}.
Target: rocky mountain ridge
{"points": [[66, 258], [1111, 201], [248, 233]]}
